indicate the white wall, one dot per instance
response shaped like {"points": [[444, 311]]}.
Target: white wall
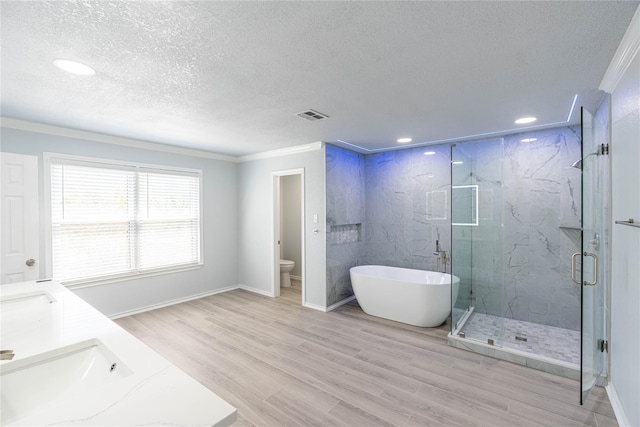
{"points": [[255, 210], [220, 222], [625, 286], [291, 221]]}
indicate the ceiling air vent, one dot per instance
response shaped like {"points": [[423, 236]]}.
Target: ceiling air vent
{"points": [[311, 115]]}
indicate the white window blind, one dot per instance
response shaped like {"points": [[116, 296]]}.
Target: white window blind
{"points": [[121, 220]]}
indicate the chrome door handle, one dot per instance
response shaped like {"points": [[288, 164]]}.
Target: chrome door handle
{"points": [[30, 262], [595, 268], [573, 267]]}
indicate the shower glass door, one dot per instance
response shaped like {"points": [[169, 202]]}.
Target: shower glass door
{"points": [[593, 260], [461, 241], [477, 240]]}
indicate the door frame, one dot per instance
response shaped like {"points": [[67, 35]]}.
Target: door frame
{"points": [[275, 224]]}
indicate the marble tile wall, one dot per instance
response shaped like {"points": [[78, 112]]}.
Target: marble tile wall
{"points": [[461, 238], [478, 249], [400, 228], [516, 262], [345, 192], [529, 227], [541, 227]]}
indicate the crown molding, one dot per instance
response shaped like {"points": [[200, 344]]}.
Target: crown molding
{"points": [[296, 149], [624, 56], [25, 125], [109, 139]]}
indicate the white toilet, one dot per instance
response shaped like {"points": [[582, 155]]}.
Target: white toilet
{"points": [[285, 268]]}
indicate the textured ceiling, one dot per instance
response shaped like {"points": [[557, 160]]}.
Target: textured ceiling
{"points": [[228, 77]]}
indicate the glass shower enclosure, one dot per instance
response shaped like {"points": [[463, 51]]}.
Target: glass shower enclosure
{"points": [[594, 167], [528, 243], [477, 239]]}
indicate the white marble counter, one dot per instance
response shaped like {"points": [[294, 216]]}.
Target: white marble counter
{"points": [[148, 389]]}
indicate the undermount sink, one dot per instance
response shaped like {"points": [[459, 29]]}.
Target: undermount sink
{"points": [[78, 369], [26, 316], [26, 300]]}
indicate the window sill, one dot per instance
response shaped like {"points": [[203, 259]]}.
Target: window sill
{"points": [[128, 278]]}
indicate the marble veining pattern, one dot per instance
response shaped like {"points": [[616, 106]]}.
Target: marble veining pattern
{"points": [[345, 183], [542, 200], [515, 263], [478, 250], [402, 225]]}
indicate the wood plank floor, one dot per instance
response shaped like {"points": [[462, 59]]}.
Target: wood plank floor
{"points": [[284, 365]]}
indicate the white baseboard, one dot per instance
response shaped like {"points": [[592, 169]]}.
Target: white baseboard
{"points": [[172, 302], [254, 290], [295, 277], [342, 302], [621, 417], [219, 291], [331, 307], [314, 306]]}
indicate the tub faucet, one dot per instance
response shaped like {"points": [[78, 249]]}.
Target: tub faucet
{"points": [[441, 259], [6, 354]]}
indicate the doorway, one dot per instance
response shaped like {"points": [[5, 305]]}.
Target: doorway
{"points": [[20, 224], [288, 229]]}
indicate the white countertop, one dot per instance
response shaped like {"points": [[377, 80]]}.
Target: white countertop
{"points": [[151, 392]]}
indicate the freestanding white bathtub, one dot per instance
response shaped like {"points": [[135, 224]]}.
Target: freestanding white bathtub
{"points": [[417, 297]]}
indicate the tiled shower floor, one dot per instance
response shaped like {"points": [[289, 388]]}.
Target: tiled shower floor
{"points": [[548, 341]]}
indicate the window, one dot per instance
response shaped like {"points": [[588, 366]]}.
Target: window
{"points": [[111, 219]]}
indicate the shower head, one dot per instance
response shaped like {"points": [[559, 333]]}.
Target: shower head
{"points": [[578, 163]]}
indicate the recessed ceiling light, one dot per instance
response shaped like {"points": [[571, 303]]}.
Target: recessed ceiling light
{"points": [[457, 162], [525, 120], [429, 153], [74, 67], [404, 140], [528, 139]]}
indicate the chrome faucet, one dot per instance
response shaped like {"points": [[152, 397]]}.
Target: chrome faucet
{"points": [[6, 354], [441, 258]]}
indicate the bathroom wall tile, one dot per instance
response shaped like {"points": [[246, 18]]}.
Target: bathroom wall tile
{"points": [[570, 198], [544, 248], [345, 219], [400, 233], [516, 302], [345, 186], [516, 250], [343, 257], [540, 191], [570, 178], [487, 299], [516, 263], [517, 204]]}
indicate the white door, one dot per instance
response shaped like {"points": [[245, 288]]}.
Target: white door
{"points": [[20, 218]]}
